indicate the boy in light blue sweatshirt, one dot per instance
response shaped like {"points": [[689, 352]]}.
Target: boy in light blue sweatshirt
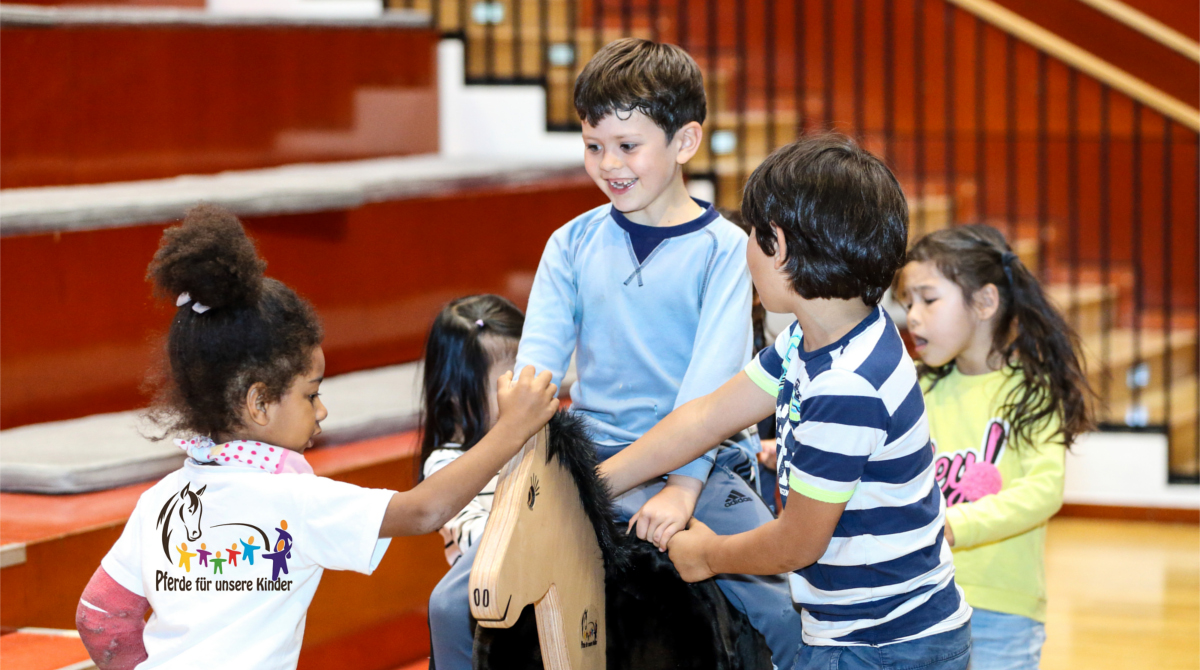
{"points": [[652, 294]]}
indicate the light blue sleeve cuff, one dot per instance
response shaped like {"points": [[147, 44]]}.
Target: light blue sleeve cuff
{"points": [[699, 468]]}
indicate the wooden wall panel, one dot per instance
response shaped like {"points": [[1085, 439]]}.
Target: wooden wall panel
{"points": [[87, 104], [80, 326]]}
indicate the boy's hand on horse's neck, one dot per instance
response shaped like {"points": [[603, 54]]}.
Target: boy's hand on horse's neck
{"points": [[668, 511], [797, 539]]}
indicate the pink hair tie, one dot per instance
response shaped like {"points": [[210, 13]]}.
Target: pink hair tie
{"points": [[479, 323]]}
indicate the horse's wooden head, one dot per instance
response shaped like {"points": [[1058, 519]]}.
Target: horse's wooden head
{"points": [[541, 547], [649, 619]]}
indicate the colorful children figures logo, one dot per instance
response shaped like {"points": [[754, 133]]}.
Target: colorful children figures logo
{"points": [[283, 551], [185, 510]]}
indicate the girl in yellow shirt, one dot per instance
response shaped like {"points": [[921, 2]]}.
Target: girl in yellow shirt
{"points": [[1005, 394]]}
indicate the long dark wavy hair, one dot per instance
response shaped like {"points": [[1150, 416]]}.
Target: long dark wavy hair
{"points": [[1031, 335], [454, 391]]}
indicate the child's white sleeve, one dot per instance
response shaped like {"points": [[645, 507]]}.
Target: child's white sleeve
{"points": [[124, 561], [340, 527]]}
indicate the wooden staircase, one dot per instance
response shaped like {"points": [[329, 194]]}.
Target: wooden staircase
{"points": [[774, 70]]}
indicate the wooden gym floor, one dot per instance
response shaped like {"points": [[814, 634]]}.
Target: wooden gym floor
{"points": [[1123, 594]]}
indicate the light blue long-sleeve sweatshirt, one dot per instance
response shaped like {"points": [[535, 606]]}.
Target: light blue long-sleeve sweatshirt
{"points": [[649, 336]]}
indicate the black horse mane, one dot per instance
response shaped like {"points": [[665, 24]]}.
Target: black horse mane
{"points": [[570, 444], [655, 620]]}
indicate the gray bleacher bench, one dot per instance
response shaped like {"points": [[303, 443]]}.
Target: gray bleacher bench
{"points": [[289, 189], [109, 450]]}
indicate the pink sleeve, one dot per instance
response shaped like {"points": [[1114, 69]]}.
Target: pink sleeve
{"points": [[110, 619]]}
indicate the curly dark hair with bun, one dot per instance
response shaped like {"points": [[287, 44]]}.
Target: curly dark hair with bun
{"points": [[255, 329]]}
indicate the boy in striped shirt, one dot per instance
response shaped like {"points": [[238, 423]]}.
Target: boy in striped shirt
{"points": [[861, 532]]}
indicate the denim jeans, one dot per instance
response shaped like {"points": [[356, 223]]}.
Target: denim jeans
{"points": [[1005, 641], [945, 651]]}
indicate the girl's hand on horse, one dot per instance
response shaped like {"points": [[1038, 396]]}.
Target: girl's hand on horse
{"points": [[690, 549], [527, 403], [668, 511]]}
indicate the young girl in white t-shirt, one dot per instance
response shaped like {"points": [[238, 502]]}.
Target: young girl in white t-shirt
{"points": [[244, 367]]}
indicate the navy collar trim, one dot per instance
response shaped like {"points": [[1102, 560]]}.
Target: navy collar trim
{"points": [[867, 322], [663, 232]]}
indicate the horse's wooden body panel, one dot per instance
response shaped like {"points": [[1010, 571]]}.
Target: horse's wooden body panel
{"points": [[537, 507]]}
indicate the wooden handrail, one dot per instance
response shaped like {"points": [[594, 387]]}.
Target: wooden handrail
{"points": [[1040, 38], [1148, 26]]}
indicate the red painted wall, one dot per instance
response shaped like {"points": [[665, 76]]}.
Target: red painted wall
{"points": [[99, 104], [80, 327]]}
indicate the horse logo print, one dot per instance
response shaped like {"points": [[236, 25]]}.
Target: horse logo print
{"points": [[182, 509], [588, 631]]}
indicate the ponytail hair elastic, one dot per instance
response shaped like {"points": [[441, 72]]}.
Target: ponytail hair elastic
{"points": [[479, 323], [1007, 259], [184, 299]]}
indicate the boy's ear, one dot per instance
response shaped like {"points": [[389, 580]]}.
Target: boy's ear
{"points": [[689, 138], [986, 302], [780, 247], [255, 407]]}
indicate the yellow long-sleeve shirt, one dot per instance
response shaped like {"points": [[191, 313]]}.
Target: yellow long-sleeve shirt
{"points": [[1000, 537]]}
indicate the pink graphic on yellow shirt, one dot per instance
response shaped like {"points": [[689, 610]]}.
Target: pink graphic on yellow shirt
{"points": [[968, 475], [185, 556]]}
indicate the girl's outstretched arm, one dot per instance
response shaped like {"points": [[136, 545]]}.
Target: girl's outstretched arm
{"points": [[525, 406], [110, 619]]}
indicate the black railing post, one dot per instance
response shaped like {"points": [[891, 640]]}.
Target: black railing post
{"points": [[769, 22], [1106, 324], [1043, 168], [1010, 137], [919, 111], [1135, 229], [1167, 212], [828, 95], [981, 187], [517, 48], [743, 84], [860, 75], [889, 83], [951, 177], [1073, 190]]}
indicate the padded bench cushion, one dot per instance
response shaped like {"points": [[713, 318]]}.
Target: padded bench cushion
{"points": [[108, 450]]}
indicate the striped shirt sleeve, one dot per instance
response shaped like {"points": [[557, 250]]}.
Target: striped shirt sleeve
{"points": [[766, 369], [842, 420]]}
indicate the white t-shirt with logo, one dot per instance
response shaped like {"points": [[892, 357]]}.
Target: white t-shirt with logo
{"points": [[284, 530]]}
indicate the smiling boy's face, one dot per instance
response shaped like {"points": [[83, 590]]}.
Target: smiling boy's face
{"points": [[633, 163]]}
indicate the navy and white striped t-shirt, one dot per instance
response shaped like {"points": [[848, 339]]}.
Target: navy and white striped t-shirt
{"points": [[852, 429]]}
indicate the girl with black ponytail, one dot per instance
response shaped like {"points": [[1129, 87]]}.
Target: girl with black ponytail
{"points": [[1006, 395]]}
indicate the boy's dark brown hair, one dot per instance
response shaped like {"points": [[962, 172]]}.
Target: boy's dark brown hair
{"points": [[659, 80], [842, 212]]}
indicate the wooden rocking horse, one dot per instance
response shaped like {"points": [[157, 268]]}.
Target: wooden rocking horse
{"points": [[557, 585]]}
